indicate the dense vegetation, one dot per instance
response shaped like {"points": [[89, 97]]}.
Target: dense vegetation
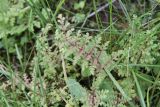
{"points": [[79, 53]]}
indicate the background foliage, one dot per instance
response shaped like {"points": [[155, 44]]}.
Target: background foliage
{"points": [[79, 53]]}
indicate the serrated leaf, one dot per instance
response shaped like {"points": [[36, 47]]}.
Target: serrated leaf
{"points": [[76, 89]]}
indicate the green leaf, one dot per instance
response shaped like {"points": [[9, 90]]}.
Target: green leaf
{"points": [[24, 40], [76, 89], [4, 6], [86, 72], [79, 5], [85, 69], [158, 1], [79, 17], [104, 57]]}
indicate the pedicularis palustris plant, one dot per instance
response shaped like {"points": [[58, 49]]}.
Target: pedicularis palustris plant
{"points": [[89, 54]]}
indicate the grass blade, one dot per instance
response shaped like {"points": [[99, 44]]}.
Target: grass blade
{"points": [[139, 90]]}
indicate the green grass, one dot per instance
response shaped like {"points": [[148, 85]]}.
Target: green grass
{"points": [[34, 73]]}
